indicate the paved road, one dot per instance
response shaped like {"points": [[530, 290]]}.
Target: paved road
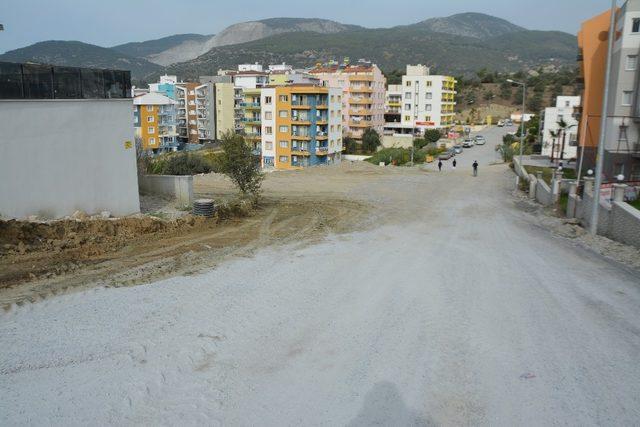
{"points": [[461, 311]]}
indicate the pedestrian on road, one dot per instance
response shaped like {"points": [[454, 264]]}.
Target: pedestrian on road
{"points": [[454, 164], [440, 165], [475, 168]]}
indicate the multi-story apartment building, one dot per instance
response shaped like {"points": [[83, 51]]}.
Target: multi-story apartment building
{"points": [[363, 95], [428, 101], [301, 126], [205, 112], [622, 132], [155, 122], [393, 103], [187, 119], [561, 145], [251, 118]]}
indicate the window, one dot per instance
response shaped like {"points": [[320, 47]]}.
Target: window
{"points": [[150, 119], [567, 103], [632, 62], [149, 107], [427, 107], [429, 83], [283, 159], [407, 107], [284, 144], [283, 128], [268, 115], [333, 98], [429, 95], [267, 100], [427, 118], [268, 145], [627, 97], [151, 129], [407, 118], [408, 83], [283, 113], [152, 141], [635, 27], [268, 130], [283, 98], [407, 95]]}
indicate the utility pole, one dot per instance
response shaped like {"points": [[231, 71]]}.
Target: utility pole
{"points": [[593, 224], [524, 100]]}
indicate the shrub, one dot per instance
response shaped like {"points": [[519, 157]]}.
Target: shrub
{"points": [[370, 140], [240, 164], [185, 164], [389, 155], [432, 135]]}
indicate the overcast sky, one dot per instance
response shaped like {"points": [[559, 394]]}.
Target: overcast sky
{"points": [[111, 22]]}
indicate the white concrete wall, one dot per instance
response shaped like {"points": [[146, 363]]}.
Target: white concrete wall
{"points": [[178, 187], [59, 156]]}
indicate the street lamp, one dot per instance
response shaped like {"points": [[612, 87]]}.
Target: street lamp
{"points": [[524, 98]]}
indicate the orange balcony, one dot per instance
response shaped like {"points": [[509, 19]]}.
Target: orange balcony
{"points": [[361, 124]]}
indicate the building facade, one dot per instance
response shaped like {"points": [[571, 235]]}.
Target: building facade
{"points": [[251, 118], [155, 118], [301, 126], [187, 117], [428, 101], [552, 142], [73, 127], [363, 95], [622, 132]]}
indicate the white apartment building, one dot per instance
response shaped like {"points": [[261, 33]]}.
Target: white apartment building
{"points": [[428, 101], [393, 99], [552, 146]]}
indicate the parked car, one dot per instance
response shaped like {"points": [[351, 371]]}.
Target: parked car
{"points": [[479, 140], [500, 123], [457, 149], [468, 143], [509, 122], [447, 155]]}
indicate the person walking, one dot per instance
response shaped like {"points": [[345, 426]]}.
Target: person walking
{"points": [[475, 168], [455, 162], [440, 165]]}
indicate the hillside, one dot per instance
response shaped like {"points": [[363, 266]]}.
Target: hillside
{"points": [[476, 25], [192, 47], [78, 54], [393, 48], [147, 49]]}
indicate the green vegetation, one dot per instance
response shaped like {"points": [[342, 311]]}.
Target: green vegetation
{"points": [[635, 204], [240, 164], [402, 156], [181, 163], [370, 140], [547, 173]]}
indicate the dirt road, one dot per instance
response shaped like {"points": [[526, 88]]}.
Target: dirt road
{"points": [[454, 307]]}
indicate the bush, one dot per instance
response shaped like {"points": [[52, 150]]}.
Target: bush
{"points": [[389, 155], [240, 164], [432, 135], [185, 164], [370, 140]]}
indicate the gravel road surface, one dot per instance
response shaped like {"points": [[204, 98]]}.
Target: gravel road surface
{"points": [[460, 311]]}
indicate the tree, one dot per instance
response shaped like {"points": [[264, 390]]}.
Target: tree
{"points": [[370, 140], [350, 145], [505, 90], [517, 99], [394, 77], [240, 164], [560, 134], [488, 95], [535, 103], [432, 135]]}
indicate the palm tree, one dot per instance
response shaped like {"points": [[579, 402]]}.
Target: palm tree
{"points": [[563, 126]]}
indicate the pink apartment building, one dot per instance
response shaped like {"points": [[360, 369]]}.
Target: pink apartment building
{"points": [[363, 95]]}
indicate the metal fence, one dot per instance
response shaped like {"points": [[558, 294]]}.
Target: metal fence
{"points": [[36, 81]]}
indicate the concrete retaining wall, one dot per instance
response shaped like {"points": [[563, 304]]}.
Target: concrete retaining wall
{"points": [[397, 141], [543, 193], [59, 156], [178, 187], [519, 170], [625, 224]]}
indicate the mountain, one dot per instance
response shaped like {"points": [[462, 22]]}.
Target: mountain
{"points": [[476, 25], [149, 48], [185, 47], [78, 54], [393, 48]]}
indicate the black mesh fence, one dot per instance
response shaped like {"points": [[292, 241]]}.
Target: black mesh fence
{"points": [[35, 81]]}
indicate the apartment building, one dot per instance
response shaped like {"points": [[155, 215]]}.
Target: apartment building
{"points": [[301, 126], [155, 122], [187, 118], [561, 145], [428, 101], [622, 132], [393, 103], [251, 118], [363, 95]]}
